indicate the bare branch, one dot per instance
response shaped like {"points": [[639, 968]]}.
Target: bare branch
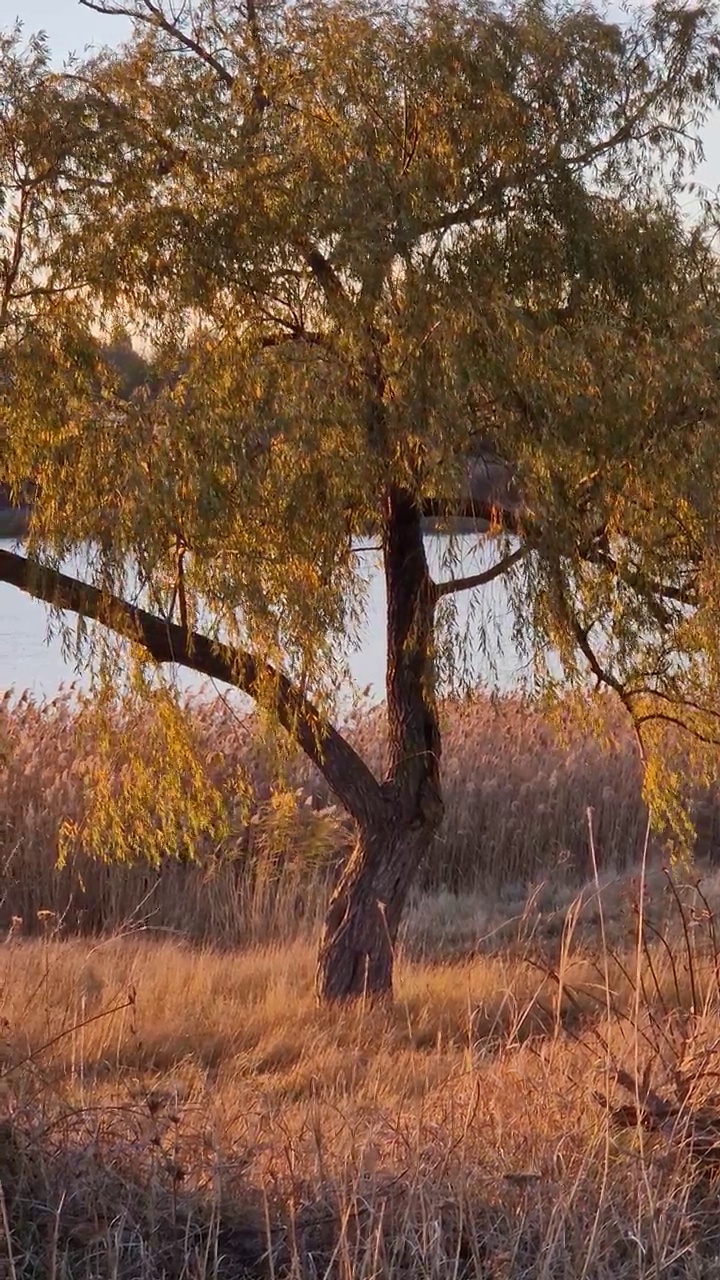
{"points": [[165, 642], [480, 579], [155, 17]]}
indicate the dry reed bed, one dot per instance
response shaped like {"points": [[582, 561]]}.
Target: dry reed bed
{"points": [[171, 1111], [179, 1112], [517, 795]]}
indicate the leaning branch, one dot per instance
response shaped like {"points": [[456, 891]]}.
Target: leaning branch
{"points": [[480, 579], [342, 768]]}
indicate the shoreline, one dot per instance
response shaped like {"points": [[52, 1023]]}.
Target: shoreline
{"points": [[15, 523]]}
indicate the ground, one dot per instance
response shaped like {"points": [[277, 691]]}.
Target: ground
{"points": [[179, 1111], [538, 1103]]}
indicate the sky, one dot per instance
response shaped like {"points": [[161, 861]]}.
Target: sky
{"points": [[69, 26], [72, 28]]}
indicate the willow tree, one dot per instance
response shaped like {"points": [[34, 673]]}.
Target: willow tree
{"points": [[355, 240]]}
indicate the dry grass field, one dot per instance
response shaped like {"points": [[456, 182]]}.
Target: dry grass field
{"points": [[544, 1111], [517, 791], [542, 1099]]}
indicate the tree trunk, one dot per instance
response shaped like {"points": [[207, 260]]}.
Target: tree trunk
{"points": [[357, 947], [361, 927]]}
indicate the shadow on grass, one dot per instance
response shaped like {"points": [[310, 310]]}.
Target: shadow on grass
{"points": [[84, 1197]]}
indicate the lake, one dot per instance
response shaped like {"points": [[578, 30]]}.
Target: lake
{"points": [[32, 658]]}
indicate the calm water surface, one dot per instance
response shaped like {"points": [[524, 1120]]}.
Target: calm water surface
{"points": [[31, 656]]}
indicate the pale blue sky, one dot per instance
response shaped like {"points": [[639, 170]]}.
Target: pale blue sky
{"points": [[71, 28]]}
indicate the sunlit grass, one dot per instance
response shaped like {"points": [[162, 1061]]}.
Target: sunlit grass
{"points": [[517, 797], [183, 1111], [539, 1101]]}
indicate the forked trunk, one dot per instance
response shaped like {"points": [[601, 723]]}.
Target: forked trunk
{"points": [[357, 947]]}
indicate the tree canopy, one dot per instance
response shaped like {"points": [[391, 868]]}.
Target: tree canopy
{"points": [[353, 240]]}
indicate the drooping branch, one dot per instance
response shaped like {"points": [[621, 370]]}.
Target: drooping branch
{"points": [[165, 642], [662, 717], [605, 677], [631, 696], [581, 635], [481, 579], [602, 675], [628, 696], [645, 586], [689, 704]]}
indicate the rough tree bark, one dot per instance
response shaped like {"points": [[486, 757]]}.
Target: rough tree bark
{"points": [[360, 931], [357, 947]]}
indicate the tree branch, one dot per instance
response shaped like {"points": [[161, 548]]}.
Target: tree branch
{"points": [[689, 704], [644, 586], [12, 268], [292, 335], [610, 681], [462, 216], [677, 723], [601, 675], [155, 17], [480, 579], [341, 766], [466, 214], [322, 270]]}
